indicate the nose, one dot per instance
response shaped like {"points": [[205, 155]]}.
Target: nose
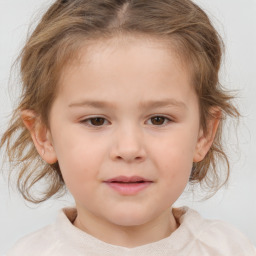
{"points": [[128, 145]]}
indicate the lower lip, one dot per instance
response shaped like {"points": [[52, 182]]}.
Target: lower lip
{"points": [[128, 188]]}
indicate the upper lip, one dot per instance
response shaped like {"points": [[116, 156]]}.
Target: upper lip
{"points": [[126, 179]]}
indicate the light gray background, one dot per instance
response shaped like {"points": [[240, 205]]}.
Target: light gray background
{"points": [[236, 21]]}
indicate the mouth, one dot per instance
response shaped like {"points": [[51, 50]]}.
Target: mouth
{"points": [[124, 179], [128, 185]]}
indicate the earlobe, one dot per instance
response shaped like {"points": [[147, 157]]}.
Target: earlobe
{"points": [[40, 135], [206, 138]]}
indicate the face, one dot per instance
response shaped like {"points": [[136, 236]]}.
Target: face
{"points": [[125, 130]]}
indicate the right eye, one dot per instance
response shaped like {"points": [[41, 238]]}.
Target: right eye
{"points": [[94, 121]]}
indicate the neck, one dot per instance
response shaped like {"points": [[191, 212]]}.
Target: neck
{"points": [[127, 236]]}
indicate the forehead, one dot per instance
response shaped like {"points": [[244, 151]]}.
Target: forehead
{"points": [[93, 51], [124, 64]]}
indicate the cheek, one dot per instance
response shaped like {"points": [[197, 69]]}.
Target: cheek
{"points": [[79, 157], [173, 157], [176, 149]]}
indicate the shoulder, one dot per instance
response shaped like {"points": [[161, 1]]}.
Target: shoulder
{"points": [[33, 243], [217, 236], [226, 237], [49, 240]]}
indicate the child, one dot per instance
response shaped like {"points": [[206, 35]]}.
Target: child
{"points": [[121, 104]]}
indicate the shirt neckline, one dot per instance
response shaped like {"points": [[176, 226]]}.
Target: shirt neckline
{"points": [[77, 238]]}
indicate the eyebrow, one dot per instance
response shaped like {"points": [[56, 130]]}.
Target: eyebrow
{"points": [[163, 103], [147, 104]]}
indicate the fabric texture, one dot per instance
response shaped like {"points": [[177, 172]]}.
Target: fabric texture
{"points": [[195, 236]]}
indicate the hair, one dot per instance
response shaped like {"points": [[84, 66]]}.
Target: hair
{"points": [[66, 27]]}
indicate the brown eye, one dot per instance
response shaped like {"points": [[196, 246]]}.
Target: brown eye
{"points": [[94, 121], [98, 121], [158, 120]]}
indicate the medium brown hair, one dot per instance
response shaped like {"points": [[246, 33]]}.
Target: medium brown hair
{"points": [[66, 26]]}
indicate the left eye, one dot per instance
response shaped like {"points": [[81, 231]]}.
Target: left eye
{"points": [[94, 121], [159, 120]]}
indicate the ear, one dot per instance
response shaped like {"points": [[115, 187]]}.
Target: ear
{"points": [[40, 135], [205, 139]]}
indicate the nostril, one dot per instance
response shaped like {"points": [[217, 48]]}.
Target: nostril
{"points": [[127, 153], [129, 158]]}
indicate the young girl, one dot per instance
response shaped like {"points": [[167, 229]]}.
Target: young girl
{"points": [[121, 104]]}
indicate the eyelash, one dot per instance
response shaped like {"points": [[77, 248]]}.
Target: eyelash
{"points": [[88, 121], [167, 120]]}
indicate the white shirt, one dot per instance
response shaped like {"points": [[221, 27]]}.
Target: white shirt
{"points": [[194, 237]]}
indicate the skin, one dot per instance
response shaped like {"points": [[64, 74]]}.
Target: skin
{"points": [[127, 79]]}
